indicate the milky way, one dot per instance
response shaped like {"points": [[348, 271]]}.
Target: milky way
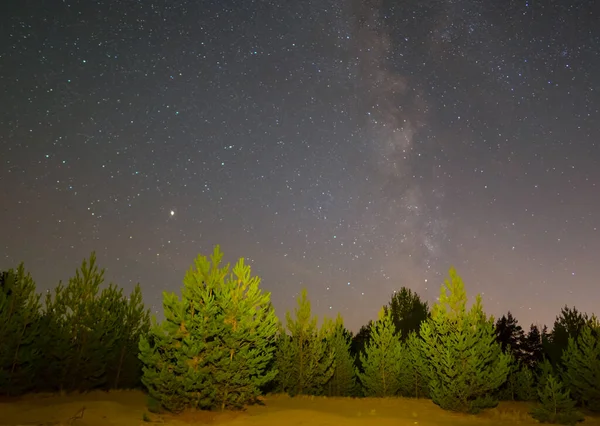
{"points": [[347, 147]]}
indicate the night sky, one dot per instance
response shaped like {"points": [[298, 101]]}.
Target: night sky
{"points": [[349, 147]]}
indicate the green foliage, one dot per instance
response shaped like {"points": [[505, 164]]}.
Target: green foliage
{"points": [[408, 311], [285, 362], [524, 387], [567, 325], [507, 391], [582, 366], [125, 369], [417, 385], [465, 364], [510, 335], [19, 331], [556, 404], [544, 370], [90, 335], [359, 343], [343, 380], [214, 346], [306, 358], [384, 362], [532, 350]]}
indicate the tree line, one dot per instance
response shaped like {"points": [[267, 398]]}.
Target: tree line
{"points": [[221, 346]]}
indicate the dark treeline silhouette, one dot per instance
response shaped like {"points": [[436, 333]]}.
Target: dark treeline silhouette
{"points": [[220, 346], [80, 338]]}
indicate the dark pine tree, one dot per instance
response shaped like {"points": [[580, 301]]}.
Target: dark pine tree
{"points": [[581, 360], [567, 325], [20, 331], [510, 336], [359, 342], [408, 312], [533, 350]]}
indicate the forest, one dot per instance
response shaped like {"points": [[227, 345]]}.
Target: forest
{"points": [[221, 346]]}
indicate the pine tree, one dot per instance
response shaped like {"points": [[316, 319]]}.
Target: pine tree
{"points": [[510, 335], [214, 346], [55, 343], [310, 358], [507, 391], [359, 342], [125, 368], [285, 362], [567, 325], [465, 364], [525, 384], [408, 312], [20, 329], [556, 404], [384, 361], [582, 366], [79, 337], [343, 381], [544, 370], [532, 347], [250, 329], [417, 385]]}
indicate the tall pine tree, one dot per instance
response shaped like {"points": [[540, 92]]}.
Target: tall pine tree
{"points": [[215, 345], [20, 331], [567, 325], [307, 359], [417, 384], [408, 311], [510, 335], [384, 361], [582, 366], [343, 380], [465, 363]]}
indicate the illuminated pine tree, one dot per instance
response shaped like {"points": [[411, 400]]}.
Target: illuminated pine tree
{"points": [[215, 346], [464, 362], [384, 361]]}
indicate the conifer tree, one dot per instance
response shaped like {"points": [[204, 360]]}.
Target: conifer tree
{"points": [[567, 325], [247, 340], [510, 335], [582, 366], [408, 312], [343, 381], [214, 346], [525, 389], [19, 331], [556, 405], [465, 364], [417, 385], [532, 347], [75, 327], [125, 368], [384, 361], [310, 355], [285, 362], [55, 343], [359, 343]]}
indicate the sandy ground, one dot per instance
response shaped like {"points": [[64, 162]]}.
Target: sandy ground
{"points": [[127, 408]]}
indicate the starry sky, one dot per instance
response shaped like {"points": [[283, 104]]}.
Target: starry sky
{"points": [[351, 147]]}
